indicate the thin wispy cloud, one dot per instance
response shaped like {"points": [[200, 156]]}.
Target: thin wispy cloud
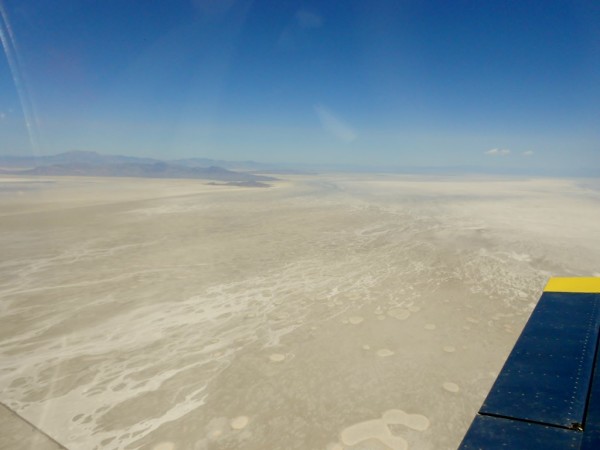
{"points": [[498, 152], [307, 19], [2, 115], [528, 153], [334, 125]]}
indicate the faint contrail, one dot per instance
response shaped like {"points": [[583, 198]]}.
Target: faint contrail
{"points": [[12, 56]]}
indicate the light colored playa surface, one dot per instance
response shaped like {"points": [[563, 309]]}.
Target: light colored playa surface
{"points": [[277, 357], [451, 387], [384, 352], [167, 314]]}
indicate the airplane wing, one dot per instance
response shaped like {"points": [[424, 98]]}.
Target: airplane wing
{"points": [[547, 395]]}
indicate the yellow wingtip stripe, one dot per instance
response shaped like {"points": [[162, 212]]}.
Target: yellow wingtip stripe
{"points": [[590, 285]]}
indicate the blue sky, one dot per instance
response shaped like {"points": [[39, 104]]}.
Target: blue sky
{"points": [[510, 84]]}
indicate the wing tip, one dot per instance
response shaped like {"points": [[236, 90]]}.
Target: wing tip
{"points": [[583, 285]]}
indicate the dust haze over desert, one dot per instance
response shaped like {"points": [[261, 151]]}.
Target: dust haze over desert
{"points": [[330, 311]]}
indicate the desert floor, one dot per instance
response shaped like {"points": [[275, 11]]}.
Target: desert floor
{"points": [[327, 312]]}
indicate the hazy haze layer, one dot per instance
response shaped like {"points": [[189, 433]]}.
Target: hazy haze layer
{"points": [[327, 312]]}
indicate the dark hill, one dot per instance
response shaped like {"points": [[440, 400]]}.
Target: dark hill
{"points": [[95, 164]]}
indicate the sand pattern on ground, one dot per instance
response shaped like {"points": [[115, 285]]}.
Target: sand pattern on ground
{"points": [[168, 314], [379, 429], [451, 387], [277, 357]]}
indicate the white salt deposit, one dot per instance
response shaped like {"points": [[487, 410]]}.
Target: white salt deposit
{"points": [[450, 387], [378, 429], [239, 422]]}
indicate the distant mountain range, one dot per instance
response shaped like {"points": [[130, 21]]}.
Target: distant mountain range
{"points": [[84, 163], [78, 163]]}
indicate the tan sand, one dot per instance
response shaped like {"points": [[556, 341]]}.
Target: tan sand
{"points": [[148, 313]]}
